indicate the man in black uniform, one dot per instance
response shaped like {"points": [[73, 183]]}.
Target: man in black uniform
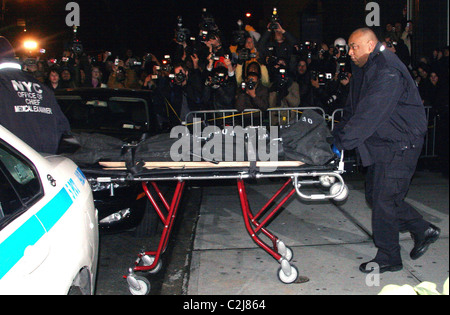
{"points": [[28, 108], [384, 119]]}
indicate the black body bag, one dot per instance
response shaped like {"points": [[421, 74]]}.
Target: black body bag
{"points": [[308, 140]]}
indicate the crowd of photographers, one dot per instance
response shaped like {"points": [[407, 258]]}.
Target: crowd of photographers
{"points": [[205, 71]]}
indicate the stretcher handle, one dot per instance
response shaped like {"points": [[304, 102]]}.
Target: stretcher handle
{"points": [[297, 185]]}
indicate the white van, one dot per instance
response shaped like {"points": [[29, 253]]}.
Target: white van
{"points": [[48, 223]]}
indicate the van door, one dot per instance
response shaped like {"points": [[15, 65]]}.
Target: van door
{"points": [[22, 237]]}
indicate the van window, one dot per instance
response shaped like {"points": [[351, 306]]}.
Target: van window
{"points": [[20, 186]]}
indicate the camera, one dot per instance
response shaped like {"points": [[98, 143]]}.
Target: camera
{"points": [[323, 78], [76, 47], [204, 36], [208, 35], [207, 22], [239, 36], [181, 34], [250, 85], [342, 50], [178, 78], [272, 59], [342, 76], [218, 77], [245, 55], [166, 64], [275, 20], [281, 80], [133, 63], [305, 49], [342, 69]]}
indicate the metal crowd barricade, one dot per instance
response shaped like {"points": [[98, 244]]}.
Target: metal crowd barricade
{"points": [[429, 146], [290, 114], [254, 117], [227, 117], [249, 117]]}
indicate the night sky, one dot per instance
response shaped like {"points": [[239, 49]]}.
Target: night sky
{"points": [[148, 25], [144, 26]]}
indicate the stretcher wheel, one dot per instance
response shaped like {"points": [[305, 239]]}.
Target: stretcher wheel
{"points": [[141, 286], [284, 250], [288, 254], [148, 261], [291, 277], [327, 180], [335, 189]]}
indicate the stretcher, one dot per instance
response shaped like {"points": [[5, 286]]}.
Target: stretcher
{"points": [[296, 174]]}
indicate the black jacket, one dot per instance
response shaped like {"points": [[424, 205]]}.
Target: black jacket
{"points": [[383, 112], [261, 101], [282, 50], [222, 98], [192, 91], [29, 109]]}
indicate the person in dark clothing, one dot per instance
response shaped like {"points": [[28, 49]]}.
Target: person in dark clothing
{"points": [[279, 44], [303, 78], [53, 80], [423, 82], [384, 119], [28, 108], [439, 100], [184, 88], [219, 92], [253, 94]]}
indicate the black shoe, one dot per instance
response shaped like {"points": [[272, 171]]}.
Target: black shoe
{"points": [[380, 267], [431, 235]]}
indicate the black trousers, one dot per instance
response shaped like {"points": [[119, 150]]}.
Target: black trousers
{"points": [[387, 183]]}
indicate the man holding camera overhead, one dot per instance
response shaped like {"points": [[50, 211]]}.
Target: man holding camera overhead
{"points": [[278, 43], [220, 84]]}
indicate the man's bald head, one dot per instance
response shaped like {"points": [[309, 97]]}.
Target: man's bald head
{"points": [[366, 33], [362, 42]]}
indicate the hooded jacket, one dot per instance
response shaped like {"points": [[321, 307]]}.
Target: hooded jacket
{"points": [[383, 112]]}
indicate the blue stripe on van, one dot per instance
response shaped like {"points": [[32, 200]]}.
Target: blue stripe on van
{"points": [[55, 209], [12, 249]]}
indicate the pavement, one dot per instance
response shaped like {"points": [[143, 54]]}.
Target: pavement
{"points": [[328, 240]]}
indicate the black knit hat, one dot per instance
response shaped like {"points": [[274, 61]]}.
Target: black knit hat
{"points": [[6, 50]]}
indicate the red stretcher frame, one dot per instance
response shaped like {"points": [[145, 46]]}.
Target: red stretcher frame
{"points": [[167, 220], [252, 224], [255, 223]]}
